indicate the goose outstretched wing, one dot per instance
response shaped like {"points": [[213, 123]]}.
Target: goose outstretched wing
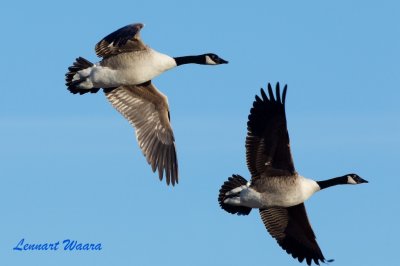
{"points": [[147, 110]]}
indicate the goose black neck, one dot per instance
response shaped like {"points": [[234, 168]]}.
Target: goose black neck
{"points": [[191, 59], [342, 180]]}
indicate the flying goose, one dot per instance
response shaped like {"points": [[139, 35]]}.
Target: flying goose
{"points": [[276, 189], [125, 73]]}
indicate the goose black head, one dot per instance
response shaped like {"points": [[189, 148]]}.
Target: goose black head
{"points": [[213, 59], [355, 179]]}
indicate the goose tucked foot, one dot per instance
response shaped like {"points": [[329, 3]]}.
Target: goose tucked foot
{"points": [[247, 197], [233, 196], [237, 190], [233, 201]]}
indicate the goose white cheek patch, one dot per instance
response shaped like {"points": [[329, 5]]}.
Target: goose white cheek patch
{"points": [[209, 61], [350, 180]]}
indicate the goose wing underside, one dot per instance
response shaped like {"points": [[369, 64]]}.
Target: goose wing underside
{"points": [[292, 230], [125, 39], [267, 142], [147, 110]]}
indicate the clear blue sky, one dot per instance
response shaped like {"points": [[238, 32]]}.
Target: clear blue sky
{"points": [[71, 168]]}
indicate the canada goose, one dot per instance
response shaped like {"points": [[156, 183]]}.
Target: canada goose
{"points": [[276, 189], [125, 73]]}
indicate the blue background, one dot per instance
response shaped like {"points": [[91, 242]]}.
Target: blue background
{"points": [[70, 166]]}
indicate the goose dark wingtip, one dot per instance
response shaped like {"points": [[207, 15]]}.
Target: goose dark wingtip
{"points": [[168, 177], [114, 42], [277, 86], [138, 25], [310, 260], [271, 93], [160, 169], [329, 261], [160, 174], [257, 99], [168, 162], [175, 168], [167, 169], [278, 94], [263, 95], [284, 95]]}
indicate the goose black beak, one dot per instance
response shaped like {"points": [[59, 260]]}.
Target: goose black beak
{"points": [[222, 61], [360, 180]]}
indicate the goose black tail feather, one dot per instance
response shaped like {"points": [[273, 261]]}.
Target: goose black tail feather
{"points": [[79, 64], [232, 182]]}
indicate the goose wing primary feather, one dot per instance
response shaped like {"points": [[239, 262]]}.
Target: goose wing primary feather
{"points": [[147, 110], [267, 142], [125, 39], [292, 230]]}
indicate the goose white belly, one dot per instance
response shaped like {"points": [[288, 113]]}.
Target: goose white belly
{"points": [[279, 194], [127, 69]]}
